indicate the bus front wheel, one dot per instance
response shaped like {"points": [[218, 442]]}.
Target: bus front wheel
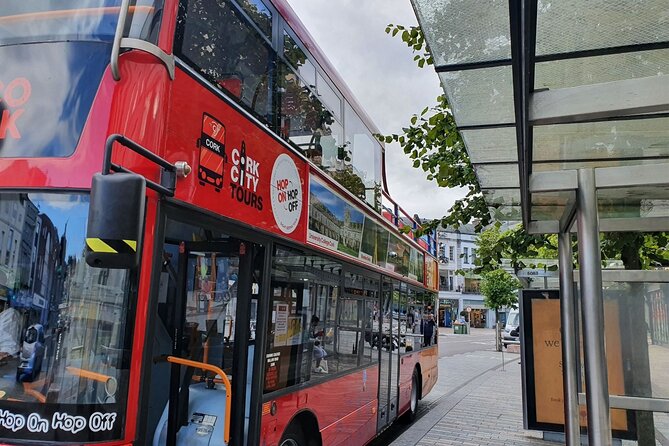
{"points": [[293, 436]]}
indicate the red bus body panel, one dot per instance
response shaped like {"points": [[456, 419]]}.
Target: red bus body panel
{"points": [[345, 408], [249, 200]]}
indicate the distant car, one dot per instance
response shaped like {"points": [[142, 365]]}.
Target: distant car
{"points": [[511, 333]]}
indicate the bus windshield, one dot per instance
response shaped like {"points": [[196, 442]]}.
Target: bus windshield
{"points": [[59, 20], [64, 326]]}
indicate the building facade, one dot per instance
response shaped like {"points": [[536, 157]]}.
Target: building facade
{"points": [[457, 292]]}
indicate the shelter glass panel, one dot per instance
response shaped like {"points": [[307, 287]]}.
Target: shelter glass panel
{"points": [[506, 213], [550, 205], [602, 140], [598, 69], [632, 202], [572, 25], [491, 145], [500, 197], [571, 165], [483, 96], [492, 176], [470, 30], [637, 338]]}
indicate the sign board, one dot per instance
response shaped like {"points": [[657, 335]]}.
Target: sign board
{"points": [[536, 273], [541, 341], [469, 309]]}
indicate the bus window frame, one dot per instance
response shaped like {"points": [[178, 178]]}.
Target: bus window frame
{"points": [[346, 267], [229, 96]]}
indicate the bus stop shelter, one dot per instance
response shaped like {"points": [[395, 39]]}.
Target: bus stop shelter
{"points": [[564, 110]]}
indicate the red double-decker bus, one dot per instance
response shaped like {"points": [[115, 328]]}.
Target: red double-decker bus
{"points": [[197, 245]]}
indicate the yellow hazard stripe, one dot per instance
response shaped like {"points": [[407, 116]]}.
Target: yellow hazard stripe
{"points": [[132, 244], [97, 245]]}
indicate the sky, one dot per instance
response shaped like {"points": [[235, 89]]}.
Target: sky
{"points": [[380, 71]]}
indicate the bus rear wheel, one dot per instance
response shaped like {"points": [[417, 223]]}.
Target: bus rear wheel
{"points": [[410, 415], [293, 436]]}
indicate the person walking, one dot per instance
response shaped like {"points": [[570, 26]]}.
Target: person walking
{"points": [[428, 330]]}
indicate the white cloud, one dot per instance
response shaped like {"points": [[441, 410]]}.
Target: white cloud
{"points": [[380, 71]]}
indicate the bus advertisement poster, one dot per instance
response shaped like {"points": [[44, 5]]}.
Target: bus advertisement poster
{"points": [[262, 184]]}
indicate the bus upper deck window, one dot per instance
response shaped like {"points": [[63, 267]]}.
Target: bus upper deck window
{"points": [[71, 20]]}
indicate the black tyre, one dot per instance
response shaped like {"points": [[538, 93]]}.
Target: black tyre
{"points": [[410, 415], [293, 436]]}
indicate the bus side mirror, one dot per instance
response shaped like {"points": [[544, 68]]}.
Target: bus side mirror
{"points": [[115, 220]]}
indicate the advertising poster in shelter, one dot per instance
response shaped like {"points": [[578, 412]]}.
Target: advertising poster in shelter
{"points": [[333, 222], [543, 363]]}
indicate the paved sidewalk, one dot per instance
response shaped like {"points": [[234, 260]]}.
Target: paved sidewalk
{"points": [[475, 403]]}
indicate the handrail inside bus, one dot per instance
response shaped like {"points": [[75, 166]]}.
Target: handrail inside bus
{"points": [[225, 382], [110, 383], [29, 390], [95, 376]]}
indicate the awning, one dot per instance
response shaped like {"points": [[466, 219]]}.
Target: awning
{"points": [[542, 88]]}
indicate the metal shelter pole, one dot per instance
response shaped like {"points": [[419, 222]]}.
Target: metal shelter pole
{"points": [[568, 319], [592, 310]]}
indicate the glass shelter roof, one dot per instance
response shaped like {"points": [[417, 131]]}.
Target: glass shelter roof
{"points": [[539, 88]]}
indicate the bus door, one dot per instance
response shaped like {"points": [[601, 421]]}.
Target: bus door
{"points": [[204, 342], [389, 350]]}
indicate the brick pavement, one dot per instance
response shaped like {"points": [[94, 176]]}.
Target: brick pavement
{"points": [[475, 402]]}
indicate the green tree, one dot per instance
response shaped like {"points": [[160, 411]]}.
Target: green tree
{"points": [[433, 142], [515, 246], [499, 290]]}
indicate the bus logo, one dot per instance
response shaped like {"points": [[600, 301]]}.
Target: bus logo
{"points": [[13, 97], [212, 152], [286, 190]]}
